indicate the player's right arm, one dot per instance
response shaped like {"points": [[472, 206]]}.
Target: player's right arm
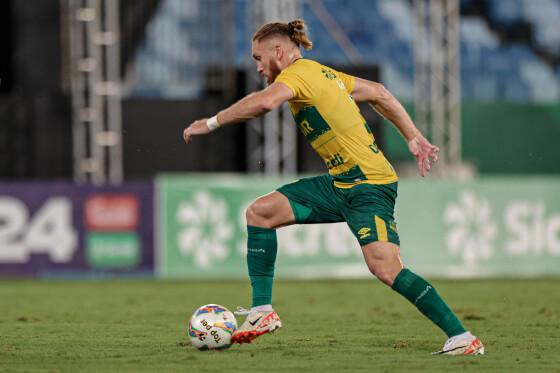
{"points": [[390, 108], [249, 107]]}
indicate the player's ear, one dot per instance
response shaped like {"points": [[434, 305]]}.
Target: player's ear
{"points": [[279, 51]]}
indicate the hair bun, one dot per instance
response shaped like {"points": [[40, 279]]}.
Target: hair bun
{"points": [[296, 25], [295, 30]]}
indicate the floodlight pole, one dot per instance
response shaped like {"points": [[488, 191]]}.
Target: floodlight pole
{"points": [[96, 90], [437, 81], [272, 139]]}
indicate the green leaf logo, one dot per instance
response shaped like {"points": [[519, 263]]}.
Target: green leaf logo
{"points": [[206, 229], [472, 231]]}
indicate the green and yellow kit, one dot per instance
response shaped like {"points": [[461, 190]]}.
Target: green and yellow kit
{"points": [[327, 115], [361, 186]]}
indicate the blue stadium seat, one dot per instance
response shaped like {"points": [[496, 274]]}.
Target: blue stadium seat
{"points": [[485, 87], [544, 16], [505, 11], [539, 77], [383, 33], [400, 83], [514, 90], [466, 5], [475, 32], [547, 36], [399, 14]]}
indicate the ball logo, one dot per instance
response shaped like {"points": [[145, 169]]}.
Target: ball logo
{"points": [[195, 333], [213, 332]]}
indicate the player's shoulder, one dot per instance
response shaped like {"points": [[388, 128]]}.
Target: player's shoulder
{"points": [[307, 65], [303, 65]]}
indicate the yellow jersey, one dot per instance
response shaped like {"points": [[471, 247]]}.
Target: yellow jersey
{"points": [[329, 118]]}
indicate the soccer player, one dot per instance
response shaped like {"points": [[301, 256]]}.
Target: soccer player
{"points": [[360, 187]]}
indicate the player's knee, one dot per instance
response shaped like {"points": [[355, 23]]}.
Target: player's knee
{"points": [[386, 277], [256, 214], [371, 268], [384, 264], [251, 216]]}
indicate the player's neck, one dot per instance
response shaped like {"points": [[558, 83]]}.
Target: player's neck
{"points": [[292, 57]]}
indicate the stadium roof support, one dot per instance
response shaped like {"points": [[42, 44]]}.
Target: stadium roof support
{"points": [[437, 80], [96, 90], [271, 140]]}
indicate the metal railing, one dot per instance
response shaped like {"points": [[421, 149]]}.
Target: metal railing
{"points": [[96, 90]]}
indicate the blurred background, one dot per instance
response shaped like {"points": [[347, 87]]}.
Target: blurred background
{"points": [[95, 179]]}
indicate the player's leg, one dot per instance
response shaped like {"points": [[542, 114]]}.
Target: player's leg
{"points": [[308, 200], [263, 216], [383, 260], [370, 217]]}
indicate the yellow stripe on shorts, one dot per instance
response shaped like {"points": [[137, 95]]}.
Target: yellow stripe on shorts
{"points": [[381, 229]]}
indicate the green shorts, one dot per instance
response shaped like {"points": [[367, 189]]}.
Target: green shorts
{"points": [[366, 208]]}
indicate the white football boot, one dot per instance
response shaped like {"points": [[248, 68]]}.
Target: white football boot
{"points": [[256, 324], [462, 344]]}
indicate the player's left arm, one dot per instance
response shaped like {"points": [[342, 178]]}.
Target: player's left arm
{"points": [[390, 108], [249, 107]]}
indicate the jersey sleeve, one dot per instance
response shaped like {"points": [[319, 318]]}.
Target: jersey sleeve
{"points": [[348, 81], [303, 91]]}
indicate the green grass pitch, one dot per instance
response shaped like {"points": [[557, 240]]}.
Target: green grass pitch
{"points": [[329, 326]]}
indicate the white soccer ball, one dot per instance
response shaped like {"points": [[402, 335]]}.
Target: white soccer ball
{"points": [[211, 327]]}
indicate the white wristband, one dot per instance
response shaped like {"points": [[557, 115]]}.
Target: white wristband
{"points": [[212, 123]]}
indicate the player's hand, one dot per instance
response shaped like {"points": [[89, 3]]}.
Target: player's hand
{"points": [[424, 151], [198, 127]]}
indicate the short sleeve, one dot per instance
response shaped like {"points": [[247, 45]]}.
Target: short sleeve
{"points": [[348, 81], [301, 89]]}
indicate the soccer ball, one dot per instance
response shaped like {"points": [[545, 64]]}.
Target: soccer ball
{"points": [[211, 327]]}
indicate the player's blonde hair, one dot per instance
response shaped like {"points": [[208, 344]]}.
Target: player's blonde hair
{"points": [[295, 30]]}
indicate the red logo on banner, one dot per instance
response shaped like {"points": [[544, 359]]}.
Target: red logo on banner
{"points": [[111, 212]]}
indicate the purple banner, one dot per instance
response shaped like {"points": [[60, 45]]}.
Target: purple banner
{"points": [[59, 229]]}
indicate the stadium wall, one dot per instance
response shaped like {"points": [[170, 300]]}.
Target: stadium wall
{"points": [[483, 228], [501, 138], [193, 227]]}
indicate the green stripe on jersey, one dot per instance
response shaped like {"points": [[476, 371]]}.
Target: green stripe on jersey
{"points": [[352, 175], [311, 123]]}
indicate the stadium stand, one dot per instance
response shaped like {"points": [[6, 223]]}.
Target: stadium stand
{"points": [[542, 17], [510, 50]]}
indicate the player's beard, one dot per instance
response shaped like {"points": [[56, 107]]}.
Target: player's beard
{"points": [[274, 72]]}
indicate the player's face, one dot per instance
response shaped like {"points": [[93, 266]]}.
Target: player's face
{"points": [[267, 56]]}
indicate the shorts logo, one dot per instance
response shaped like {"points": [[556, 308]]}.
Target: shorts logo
{"points": [[393, 226], [364, 232]]}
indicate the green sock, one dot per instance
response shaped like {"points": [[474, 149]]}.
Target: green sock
{"points": [[261, 256], [423, 295]]}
